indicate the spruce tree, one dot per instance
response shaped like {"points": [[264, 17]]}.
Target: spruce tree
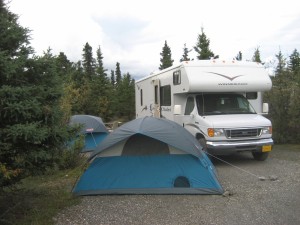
{"points": [[294, 62], [31, 127], [99, 65], [166, 57], [256, 56], [294, 89], [101, 88], [118, 74], [126, 97], [88, 61], [185, 56], [202, 47], [280, 101], [239, 56], [281, 63], [112, 78]]}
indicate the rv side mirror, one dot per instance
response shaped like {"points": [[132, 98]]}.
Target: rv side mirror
{"points": [[177, 109], [265, 108]]}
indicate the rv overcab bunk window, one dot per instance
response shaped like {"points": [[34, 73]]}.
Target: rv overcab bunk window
{"points": [[177, 77], [217, 104]]}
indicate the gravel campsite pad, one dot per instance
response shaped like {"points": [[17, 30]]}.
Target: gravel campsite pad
{"points": [[256, 193]]}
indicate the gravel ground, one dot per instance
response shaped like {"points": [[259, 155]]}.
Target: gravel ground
{"points": [[275, 200]]}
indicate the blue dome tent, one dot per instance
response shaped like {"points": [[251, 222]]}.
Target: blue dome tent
{"points": [[149, 156]]}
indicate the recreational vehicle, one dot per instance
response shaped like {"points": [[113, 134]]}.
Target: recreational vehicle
{"points": [[219, 102]]}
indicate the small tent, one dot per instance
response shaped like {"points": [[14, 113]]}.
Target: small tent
{"points": [[149, 156], [92, 128]]}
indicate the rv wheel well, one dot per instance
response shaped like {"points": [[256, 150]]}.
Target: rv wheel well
{"points": [[199, 136]]}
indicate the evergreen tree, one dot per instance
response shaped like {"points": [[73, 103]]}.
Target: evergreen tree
{"points": [[84, 78], [279, 98], [118, 74], [239, 56], [294, 63], [166, 57], [256, 56], [113, 101], [281, 63], [101, 88], [126, 95], [202, 47], [294, 88], [31, 127], [88, 61], [100, 68], [64, 66], [77, 74], [185, 56], [112, 78]]}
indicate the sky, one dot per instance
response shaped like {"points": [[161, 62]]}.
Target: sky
{"points": [[133, 32]]}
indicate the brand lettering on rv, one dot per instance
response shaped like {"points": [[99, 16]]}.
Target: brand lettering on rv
{"points": [[232, 84], [166, 109], [227, 77]]}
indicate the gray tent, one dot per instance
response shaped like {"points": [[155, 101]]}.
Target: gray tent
{"points": [[93, 129], [149, 156], [90, 123]]}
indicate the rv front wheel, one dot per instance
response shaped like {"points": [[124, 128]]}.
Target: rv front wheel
{"points": [[260, 156], [202, 142]]}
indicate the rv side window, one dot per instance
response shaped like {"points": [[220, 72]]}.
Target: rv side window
{"points": [[141, 92], [165, 95], [177, 77], [189, 106], [251, 95]]}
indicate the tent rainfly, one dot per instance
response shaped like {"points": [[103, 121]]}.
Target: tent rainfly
{"points": [[149, 156], [92, 128]]}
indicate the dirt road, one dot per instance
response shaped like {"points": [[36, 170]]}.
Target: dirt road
{"points": [[275, 200]]}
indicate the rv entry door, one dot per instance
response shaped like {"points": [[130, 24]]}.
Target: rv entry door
{"points": [[156, 105]]}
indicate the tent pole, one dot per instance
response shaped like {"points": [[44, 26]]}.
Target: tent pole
{"points": [[94, 139]]}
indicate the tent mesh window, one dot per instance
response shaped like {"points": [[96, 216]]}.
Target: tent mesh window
{"points": [[181, 181], [139, 144]]}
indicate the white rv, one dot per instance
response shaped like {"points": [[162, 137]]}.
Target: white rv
{"points": [[219, 102]]}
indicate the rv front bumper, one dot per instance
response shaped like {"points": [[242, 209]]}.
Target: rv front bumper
{"points": [[226, 147]]}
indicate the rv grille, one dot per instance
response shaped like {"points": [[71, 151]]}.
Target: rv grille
{"points": [[241, 133]]}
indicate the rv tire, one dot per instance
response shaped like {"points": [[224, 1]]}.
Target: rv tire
{"points": [[202, 142], [260, 156]]}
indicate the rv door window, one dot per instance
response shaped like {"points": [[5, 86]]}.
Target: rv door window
{"points": [[156, 94], [217, 104], [189, 106], [165, 95]]}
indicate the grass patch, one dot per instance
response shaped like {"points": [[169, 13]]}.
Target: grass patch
{"points": [[290, 147], [290, 152], [36, 200]]}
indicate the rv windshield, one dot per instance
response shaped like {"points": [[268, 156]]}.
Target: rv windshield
{"points": [[219, 103]]}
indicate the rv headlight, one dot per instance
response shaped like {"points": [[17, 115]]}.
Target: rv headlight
{"points": [[215, 132], [266, 130]]}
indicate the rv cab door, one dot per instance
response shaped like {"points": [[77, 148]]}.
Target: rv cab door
{"points": [[156, 104]]}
